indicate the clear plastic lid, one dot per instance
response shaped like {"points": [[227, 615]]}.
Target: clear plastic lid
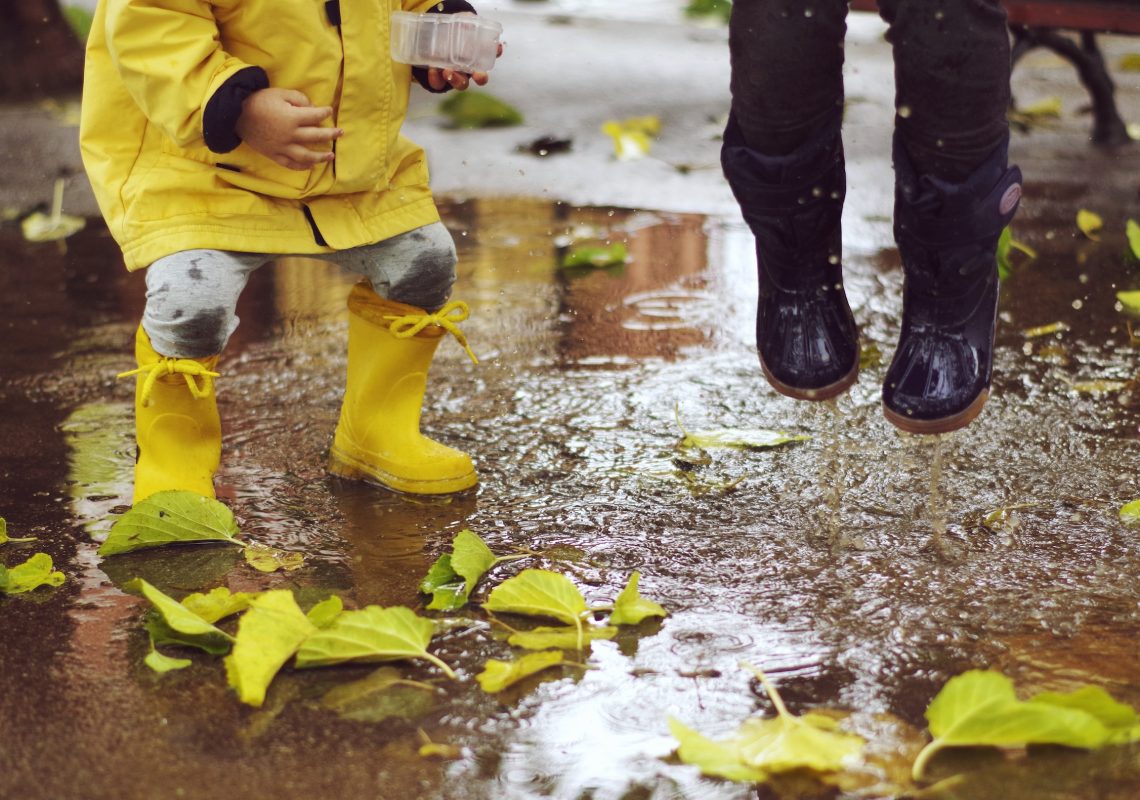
{"points": [[464, 42]]}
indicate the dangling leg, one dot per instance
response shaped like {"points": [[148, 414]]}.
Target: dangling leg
{"points": [[954, 194], [396, 320], [189, 317], [783, 157]]}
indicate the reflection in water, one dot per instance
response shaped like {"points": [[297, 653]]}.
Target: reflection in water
{"points": [[579, 378]]}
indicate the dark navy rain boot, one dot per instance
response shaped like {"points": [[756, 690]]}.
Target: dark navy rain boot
{"points": [[947, 235], [805, 332]]}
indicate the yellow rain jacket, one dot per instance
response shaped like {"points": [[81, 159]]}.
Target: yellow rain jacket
{"points": [[152, 66]]}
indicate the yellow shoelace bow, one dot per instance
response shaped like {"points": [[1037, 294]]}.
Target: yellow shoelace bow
{"points": [[456, 311], [189, 369]]}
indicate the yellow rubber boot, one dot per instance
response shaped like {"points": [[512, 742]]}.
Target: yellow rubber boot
{"points": [[177, 427], [378, 439]]}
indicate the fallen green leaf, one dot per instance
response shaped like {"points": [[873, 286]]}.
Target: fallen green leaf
{"points": [[498, 675], [40, 227], [479, 110], [268, 635], [1045, 330], [35, 572], [747, 438], [3, 533], [325, 613], [713, 758], [171, 517], [1130, 513], [632, 137], [1130, 299], [381, 695], [369, 635], [177, 624], [1121, 720], [447, 589], [630, 608], [1089, 223], [1132, 232], [162, 663], [1129, 62], [979, 708], [270, 559], [218, 603], [1046, 107], [453, 576], [598, 256], [470, 558], [540, 593], [719, 10], [544, 638]]}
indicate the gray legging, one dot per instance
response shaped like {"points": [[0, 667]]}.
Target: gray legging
{"points": [[952, 64], [191, 296]]}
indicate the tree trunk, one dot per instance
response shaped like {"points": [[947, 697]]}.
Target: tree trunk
{"points": [[40, 55]]}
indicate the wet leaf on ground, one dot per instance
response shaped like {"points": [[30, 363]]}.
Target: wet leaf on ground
{"points": [[264, 558], [174, 623], [217, 603], [452, 577], [268, 635], [1045, 330], [163, 663], [763, 747], [979, 708], [1130, 513], [632, 137], [369, 635], [1089, 223], [381, 695], [35, 572], [1121, 720], [567, 638], [1129, 62], [1132, 232], [5, 538], [630, 607], [41, 227], [479, 110], [325, 613], [1130, 300], [498, 675], [540, 593], [597, 256], [171, 517]]}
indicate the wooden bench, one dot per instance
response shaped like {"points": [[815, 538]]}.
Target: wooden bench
{"points": [[1037, 23]]}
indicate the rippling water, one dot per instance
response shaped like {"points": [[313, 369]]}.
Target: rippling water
{"points": [[860, 568]]}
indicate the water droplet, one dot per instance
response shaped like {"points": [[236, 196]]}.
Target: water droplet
{"points": [[835, 195], [938, 15], [833, 259], [904, 111], [808, 12], [817, 192], [940, 144], [1083, 277], [1078, 304]]}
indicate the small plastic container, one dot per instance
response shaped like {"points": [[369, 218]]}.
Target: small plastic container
{"points": [[463, 42]]}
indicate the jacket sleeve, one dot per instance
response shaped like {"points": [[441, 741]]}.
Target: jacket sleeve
{"points": [[171, 62]]}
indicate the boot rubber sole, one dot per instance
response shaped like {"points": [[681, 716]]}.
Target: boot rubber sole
{"points": [[928, 427], [814, 395], [345, 466]]}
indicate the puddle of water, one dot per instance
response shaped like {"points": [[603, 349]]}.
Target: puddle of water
{"points": [[812, 561]]}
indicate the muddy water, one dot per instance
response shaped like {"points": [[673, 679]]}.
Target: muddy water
{"points": [[860, 569]]}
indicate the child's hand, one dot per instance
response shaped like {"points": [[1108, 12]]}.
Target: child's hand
{"points": [[440, 79], [284, 126]]}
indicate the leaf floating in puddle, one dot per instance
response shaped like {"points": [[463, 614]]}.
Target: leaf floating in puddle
{"points": [[1130, 513], [1045, 330], [218, 603], [540, 593], [369, 635], [630, 608], [479, 110], [452, 578], [764, 747], [740, 438], [1046, 107], [177, 624], [1090, 223], [324, 613], [1121, 721], [498, 675], [632, 137], [171, 517], [35, 572], [381, 695], [980, 708], [597, 256], [1129, 62], [268, 635], [270, 559]]}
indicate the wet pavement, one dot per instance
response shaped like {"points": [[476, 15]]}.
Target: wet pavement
{"points": [[860, 568]]}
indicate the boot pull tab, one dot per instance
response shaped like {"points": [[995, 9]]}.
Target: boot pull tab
{"points": [[454, 312], [188, 368]]}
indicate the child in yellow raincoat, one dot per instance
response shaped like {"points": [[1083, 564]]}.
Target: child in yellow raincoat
{"points": [[219, 136]]}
